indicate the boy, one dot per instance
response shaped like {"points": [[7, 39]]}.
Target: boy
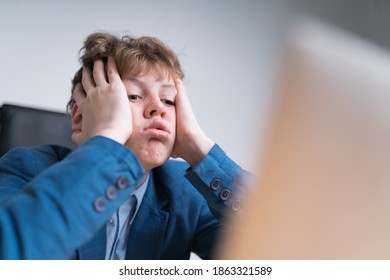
{"points": [[118, 190]]}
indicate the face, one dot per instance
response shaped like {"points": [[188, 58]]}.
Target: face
{"points": [[152, 101]]}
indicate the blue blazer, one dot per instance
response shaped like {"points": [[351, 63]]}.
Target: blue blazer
{"points": [[55, 202]]}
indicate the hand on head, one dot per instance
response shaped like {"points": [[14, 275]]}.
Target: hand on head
{"points": [[191, 143], [101, 105]]}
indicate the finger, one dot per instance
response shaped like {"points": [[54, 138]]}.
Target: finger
{"points": [[182, 97], [112, 70], [79, 94], [98, 72], [179, 89], [87, 80], [179, 85]]}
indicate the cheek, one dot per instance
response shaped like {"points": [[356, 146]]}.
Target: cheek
{"points": [[136, 113], [171, 117]]}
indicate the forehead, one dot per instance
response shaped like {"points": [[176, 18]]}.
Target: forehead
{"points": [[150, 78]]}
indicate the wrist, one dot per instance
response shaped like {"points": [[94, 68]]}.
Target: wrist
{"points": [[197, 150], [113, 135]]}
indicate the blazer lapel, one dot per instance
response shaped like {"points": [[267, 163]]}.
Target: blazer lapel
{"points": [[146, 235], [94, 249], [145, 240]]}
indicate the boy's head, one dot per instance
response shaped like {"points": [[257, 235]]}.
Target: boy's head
{"points": [[133, 56], [148, 69]]}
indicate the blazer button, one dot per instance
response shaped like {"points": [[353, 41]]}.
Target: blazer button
{"points": [[100, 204], [122, 182], [111, 192], [225, 194], [216, 184], [236, 205]]}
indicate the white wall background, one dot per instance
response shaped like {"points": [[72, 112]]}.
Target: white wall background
{"points": [[228, 50]]}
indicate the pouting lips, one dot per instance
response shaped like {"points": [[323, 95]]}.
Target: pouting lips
{"points": [[158, 128]]}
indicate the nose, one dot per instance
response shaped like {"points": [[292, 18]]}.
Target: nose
{"points": [[155, 107]]}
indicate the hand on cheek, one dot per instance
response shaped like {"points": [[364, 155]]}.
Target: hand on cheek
{"points": [[191, 142], [103, 108]]}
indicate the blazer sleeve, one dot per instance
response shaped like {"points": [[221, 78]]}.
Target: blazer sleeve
{"points": [[221, 181], [62, 207]]}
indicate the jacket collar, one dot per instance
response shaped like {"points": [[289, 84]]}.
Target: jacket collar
{"points": [[146, 235]]}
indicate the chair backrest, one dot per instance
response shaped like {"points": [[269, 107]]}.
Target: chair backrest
{"points": [[24, 126]]}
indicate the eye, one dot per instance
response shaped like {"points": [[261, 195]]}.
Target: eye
{"points": [[133, 97], [168, 102]]}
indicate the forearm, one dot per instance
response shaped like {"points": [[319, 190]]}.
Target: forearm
{"points": [[65, 205]]}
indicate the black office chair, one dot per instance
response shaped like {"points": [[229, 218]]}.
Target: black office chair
{"points": [[24, 126]]}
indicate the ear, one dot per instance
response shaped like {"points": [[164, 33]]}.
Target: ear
{"points": [[77, 121]]}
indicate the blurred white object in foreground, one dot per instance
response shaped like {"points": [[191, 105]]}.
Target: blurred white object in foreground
{"points": [[324, 185]]}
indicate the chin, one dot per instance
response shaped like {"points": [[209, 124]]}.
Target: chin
{"points": [[153, 153], [154, 160], [148, 165]]}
